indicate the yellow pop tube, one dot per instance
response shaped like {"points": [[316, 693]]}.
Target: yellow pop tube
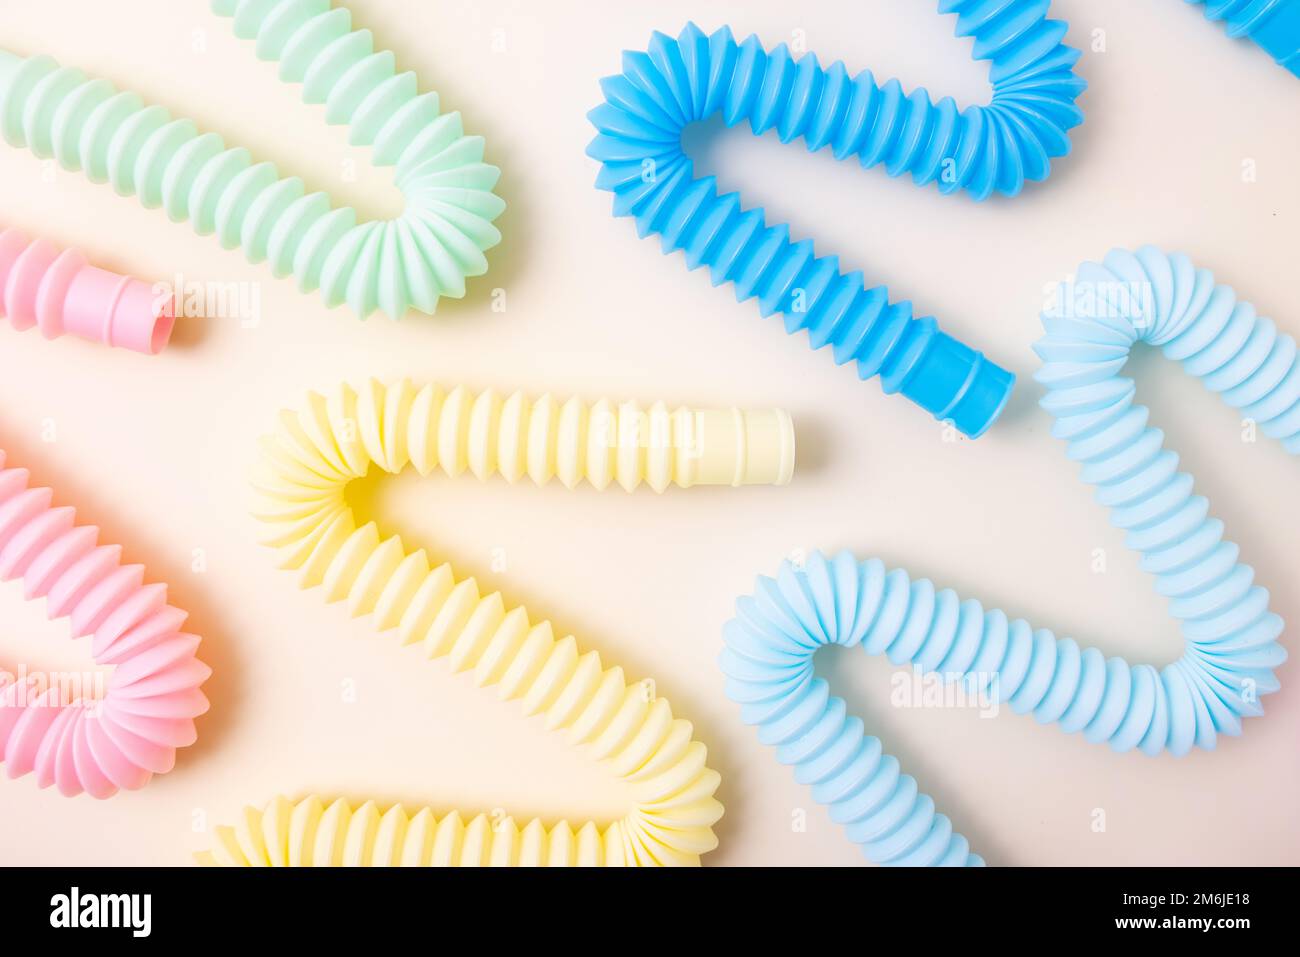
{"points": [[625, 726]]}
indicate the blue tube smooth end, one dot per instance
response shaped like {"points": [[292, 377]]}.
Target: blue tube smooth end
{"points": [[1278, 32], [951, 381]]}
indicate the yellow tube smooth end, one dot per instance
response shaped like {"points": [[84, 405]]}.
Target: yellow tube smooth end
{"points": [[739, 447]]}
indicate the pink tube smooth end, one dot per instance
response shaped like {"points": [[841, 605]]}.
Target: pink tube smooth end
{"points": [[118, 311], [59, 292]]}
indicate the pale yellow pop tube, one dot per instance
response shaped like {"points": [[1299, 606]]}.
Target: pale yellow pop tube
{"points": [[623, 724]]}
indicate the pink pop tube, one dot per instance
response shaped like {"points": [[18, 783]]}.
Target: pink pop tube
{"points": [[93, 743], [59, 291]]}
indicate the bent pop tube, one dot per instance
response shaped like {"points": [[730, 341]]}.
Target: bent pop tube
{"points": [[121, 740], [1230, 635], [142, 150], [622, 724], [979, 150]]}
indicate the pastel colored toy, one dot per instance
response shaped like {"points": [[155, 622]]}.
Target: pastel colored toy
{"points": [[152, 696], [979, 150], [58, 291], [1230, 634], [393, 265], [1273, 24], [628, 729]]}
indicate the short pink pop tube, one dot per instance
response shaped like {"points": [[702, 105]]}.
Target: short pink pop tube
{"points": [[96, 744], [59, 292]]}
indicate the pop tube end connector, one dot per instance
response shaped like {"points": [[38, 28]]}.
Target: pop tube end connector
{"points": [[118, 311], [1278, 34], [59, 292], [1273, 25], [744, 447], [949, 379]]}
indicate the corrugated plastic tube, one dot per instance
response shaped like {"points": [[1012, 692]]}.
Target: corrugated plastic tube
{"points": [[58, 291], [624, 725], [67, 734], [979, 151], [1230, 634], [394, 265], [1274, 25]]}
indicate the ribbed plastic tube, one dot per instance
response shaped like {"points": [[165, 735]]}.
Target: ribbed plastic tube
{"points": [[407, 262], [979, 150], [1273, 24], [1230, 634], [624, 726], [68, 737], [316, 833], [58, 291]]}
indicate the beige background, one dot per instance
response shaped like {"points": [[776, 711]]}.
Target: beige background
{"points": [[156, 449]]}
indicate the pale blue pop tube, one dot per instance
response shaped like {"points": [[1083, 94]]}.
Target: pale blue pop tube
{"points": [[1230, 633]]}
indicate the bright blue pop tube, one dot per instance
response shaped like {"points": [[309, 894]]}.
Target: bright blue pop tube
{"points": [[1273, 24], [979, 150], [1230, 633]]}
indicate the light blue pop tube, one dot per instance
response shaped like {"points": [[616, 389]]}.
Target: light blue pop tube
{"points": [[1273, 24], [979, 150], [1230, 633]]}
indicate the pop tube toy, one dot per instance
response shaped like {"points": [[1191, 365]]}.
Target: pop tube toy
{"points": [[629, 730], [152, 696], [979, 150], [410, 261], [1231, 636], [1274, 25], [58, 291]]}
